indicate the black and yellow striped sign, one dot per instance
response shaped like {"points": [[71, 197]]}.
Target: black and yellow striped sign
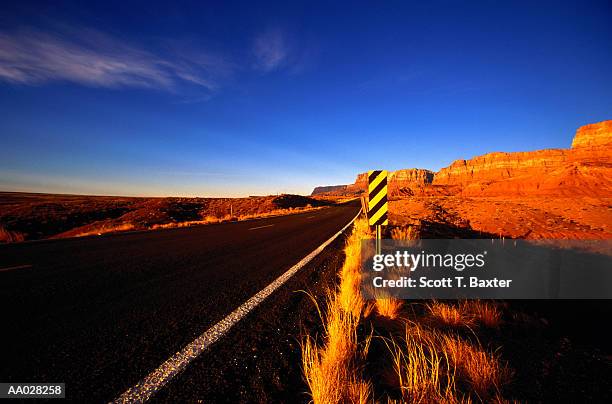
{"points": [[377, 191]]}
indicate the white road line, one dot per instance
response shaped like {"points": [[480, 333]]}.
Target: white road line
{"points": [[261, 227], [15, 267], [151, 384], [310, 217]]}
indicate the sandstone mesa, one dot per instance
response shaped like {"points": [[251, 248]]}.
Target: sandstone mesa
{"points": [[584, 169]]}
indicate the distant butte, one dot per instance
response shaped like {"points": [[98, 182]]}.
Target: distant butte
{"points": [[584, 169]]}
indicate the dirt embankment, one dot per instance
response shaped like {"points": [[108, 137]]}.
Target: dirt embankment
{"points": [[26, 216]]}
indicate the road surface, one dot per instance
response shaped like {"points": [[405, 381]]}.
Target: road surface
{"points": [[100, 313]]}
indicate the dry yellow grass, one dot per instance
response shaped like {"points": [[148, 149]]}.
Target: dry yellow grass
{"points": [[466, 314], [107, 229], [449, 314], [430, 365], [482, 370], [276, 212], [424, 372], [332, 369], [485, 313], [388, 306], [189, 223], [228, 218], [349, 294], [404, 233]]}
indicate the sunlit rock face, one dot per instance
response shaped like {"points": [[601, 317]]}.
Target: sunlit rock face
{"points": [[593, 135], [329, 189], [584, 169], [411, 176], [406, 181]]}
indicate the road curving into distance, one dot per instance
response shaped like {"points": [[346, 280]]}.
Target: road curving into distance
{"points": [[101, 313]]}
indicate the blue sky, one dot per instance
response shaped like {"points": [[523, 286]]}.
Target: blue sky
{"points": [[232, 99]]}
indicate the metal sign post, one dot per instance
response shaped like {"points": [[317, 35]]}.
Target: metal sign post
{"points": [[364, 205], [378, 239], [377, 204]]}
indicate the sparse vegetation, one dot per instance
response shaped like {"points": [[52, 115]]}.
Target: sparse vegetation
{"points": [[431, 360], [434, 366], [404, 233], [209, 219], [388, 306], [332, 366], [484, 312], [37, 216], [483, 370], [466, 313], [450, 315], [105, 229], [424, 373]]}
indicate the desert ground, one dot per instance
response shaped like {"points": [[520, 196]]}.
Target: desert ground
{"points": [[514, 217], [29, 216]]}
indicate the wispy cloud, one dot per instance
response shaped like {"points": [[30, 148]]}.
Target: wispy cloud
{"points": [[271, 50], [92, 58]]}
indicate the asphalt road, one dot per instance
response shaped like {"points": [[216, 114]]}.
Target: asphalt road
{"points": [[100, 313]]}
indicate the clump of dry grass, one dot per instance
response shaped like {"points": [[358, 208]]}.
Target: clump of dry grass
{"points": [[485, 313], [387, 306], [209, 219], [275, 212], [424, 373], [104, 229], [332, 369], [7, 236], [349, 290], [483, 370], [450, 315], [466, 314], [404, 233], [189, 223], [429, 363]]}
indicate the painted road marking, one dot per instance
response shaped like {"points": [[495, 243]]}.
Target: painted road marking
{"points": [[15, 267], [261, 227], [310, 217], [151, 384]]}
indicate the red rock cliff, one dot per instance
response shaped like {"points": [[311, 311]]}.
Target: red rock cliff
{"points": [[594, 135], [397, 180], [586, 168]]}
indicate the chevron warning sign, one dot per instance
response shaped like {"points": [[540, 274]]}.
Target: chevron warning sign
{"points": [[377, 191]]}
